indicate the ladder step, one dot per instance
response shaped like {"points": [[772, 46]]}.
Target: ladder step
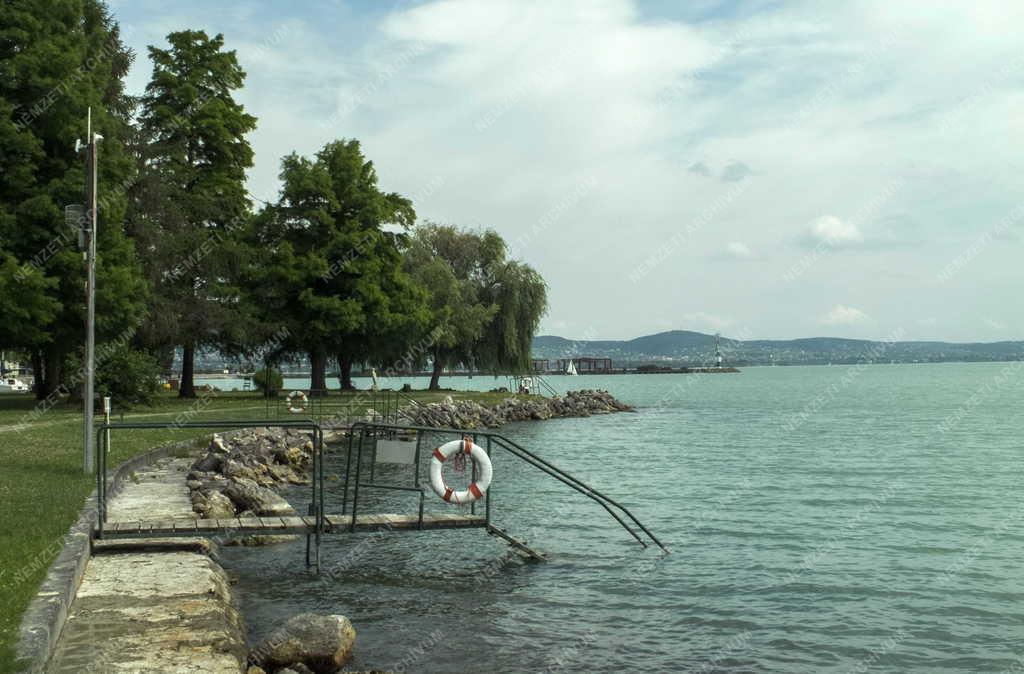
{"points": [[519, 546]]}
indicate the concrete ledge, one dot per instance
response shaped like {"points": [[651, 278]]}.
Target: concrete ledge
{"points": [[45, 616]]}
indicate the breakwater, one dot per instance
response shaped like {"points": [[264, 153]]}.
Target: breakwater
{"points": [[451, 413]]}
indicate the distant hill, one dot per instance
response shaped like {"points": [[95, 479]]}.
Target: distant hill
{"points": [[694, 348]]}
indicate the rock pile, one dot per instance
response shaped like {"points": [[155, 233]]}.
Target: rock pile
{"points": [[305, 643], [468, 414], [236, 475]]}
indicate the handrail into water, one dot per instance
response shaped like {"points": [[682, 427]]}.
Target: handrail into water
{"points": [[548, 388], [529, 457]]}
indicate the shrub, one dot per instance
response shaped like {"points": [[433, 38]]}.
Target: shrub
{"points": [[128, 376], [260, 381]]}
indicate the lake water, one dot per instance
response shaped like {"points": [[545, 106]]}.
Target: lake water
{"points": [[826, 519]]}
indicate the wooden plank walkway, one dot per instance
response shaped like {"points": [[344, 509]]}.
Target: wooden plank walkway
{"points": [[273, 526]]}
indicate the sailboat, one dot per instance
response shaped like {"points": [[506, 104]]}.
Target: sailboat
{"points": [[571, 369]]}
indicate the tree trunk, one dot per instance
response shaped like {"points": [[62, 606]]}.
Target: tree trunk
{"points": [[318, 373], [38, 375], [53, 362], [345, 373], [187, 388], [435, 376]]}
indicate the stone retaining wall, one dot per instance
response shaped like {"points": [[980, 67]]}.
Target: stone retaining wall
{"points": [[43, 621]]}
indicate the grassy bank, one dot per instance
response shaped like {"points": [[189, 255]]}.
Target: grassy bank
{"points": [[43, 486]]}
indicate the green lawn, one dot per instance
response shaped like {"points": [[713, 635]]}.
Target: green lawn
{"points": [[43, 486]]}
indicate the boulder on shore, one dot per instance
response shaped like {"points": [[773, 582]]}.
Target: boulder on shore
{"points": [[262, 501], [323, 643]]}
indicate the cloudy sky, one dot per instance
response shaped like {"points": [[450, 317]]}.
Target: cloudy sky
{"points": [[766, 168]]}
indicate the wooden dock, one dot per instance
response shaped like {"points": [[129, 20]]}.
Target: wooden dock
{"points": [[275, 526]]}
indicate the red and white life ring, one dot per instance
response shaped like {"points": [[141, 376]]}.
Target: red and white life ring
{"points": [[476, 489], [297, 402]]}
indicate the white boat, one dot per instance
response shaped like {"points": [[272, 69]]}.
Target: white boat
{"points": [[571, 369], [13, 385]]}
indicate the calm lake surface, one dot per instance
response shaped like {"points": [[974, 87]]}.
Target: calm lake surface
{"points": [[826, 519]]}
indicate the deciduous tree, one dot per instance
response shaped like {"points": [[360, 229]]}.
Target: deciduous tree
{"points": [[57, 59], [485, 308]]}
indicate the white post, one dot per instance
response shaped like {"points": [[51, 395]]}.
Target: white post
{"points": [[106, 419]]}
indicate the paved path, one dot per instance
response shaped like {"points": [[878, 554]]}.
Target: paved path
{"points": [[157, 493], [152, 611], [77, 418]]}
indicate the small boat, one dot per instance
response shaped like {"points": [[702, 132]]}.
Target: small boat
{"points": [[13, 385], [571, 369]]}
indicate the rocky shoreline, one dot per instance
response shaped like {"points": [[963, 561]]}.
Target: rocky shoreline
{"points": [[452, 413], [236, 476]]}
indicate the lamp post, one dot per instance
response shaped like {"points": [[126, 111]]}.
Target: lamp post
{"points": [[90, 293]]}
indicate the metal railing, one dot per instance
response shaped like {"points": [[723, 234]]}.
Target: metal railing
{"points": [[363, 430], [492, 440], [317, 483], [343, 408]]}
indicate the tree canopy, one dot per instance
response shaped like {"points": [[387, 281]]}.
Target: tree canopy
{"points": [[58, 59], [484, 307], [335, 269], [191, 201], [327, 266]]}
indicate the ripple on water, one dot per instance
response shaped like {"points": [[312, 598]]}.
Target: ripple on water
{"points": [[860, 539]]}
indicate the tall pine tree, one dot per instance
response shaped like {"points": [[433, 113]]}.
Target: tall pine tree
{"points": [[191, 204]]}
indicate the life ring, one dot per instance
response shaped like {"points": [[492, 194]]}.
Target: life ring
{"points": [[476, 489], [301, 406]]}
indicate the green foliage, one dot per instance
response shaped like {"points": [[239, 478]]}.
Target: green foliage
{"points": [[261, 378], [26, 304], [128, 376], [190, 203], [326, 267], [57, 59], [124, 373], [485, 308]]}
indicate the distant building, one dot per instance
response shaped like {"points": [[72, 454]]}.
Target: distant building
{"points": [[9, 365], [586, 365]]}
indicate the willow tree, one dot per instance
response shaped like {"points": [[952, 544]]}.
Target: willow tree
{"points": [[485, 308], [191, 201]]}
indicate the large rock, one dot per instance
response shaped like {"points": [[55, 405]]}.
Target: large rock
{"points": [[247, 495], [321, 642], [209, 463], [218, 506]]}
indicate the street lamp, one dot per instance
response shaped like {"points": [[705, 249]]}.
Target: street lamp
{"points": [[90, 227]]}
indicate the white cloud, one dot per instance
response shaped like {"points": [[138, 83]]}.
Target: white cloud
{"points": [[841, 314], [738, 249], [510, 105], [830, 229]]}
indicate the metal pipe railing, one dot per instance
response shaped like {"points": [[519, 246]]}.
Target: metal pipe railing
{"points": [[525, 455], [583, 487], [317, 491]]}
